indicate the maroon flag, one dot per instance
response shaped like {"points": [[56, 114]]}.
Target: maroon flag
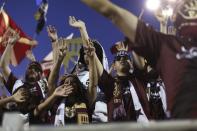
{"points": [[22, 45]]}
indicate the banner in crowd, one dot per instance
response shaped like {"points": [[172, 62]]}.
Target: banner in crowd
{"points": [[22, 45], [74, 46], [70, 60]]}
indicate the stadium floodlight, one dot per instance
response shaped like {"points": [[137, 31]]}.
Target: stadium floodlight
{"points": [[153, 4]]}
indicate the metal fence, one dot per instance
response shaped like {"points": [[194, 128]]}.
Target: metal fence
{"points": [[12, 122]]}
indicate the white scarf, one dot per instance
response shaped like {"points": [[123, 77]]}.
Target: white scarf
{"points": [[162, 94], [137, 105], [59, 117]]}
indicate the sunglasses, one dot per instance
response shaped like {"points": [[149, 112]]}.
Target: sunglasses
{"points": [[124, 57]]}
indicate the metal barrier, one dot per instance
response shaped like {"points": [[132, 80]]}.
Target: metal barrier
{"points": [[12, 122], [152, 126]]}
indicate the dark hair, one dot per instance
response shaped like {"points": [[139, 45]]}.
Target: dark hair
{"points": [[98, 49], [36, 64], [99, 53], [81, 92]]}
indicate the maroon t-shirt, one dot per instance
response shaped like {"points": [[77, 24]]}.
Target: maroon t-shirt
{"points": [[107, 85], [173, 59]]}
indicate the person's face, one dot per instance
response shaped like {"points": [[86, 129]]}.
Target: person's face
{"points": [[122, 63], [71, 81], [33, 74]]}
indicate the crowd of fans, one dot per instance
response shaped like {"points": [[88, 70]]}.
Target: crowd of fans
{"points": [[147, 80]]}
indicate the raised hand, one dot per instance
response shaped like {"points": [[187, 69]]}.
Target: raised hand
{"points": [[30, 55], [121, 46], [10, 37], [20, 96], [63, 90], [62, 48], [52, 33], [76, 23], [89, 50]]}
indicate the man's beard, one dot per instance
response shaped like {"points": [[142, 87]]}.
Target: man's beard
{"points": [[125, 69]]}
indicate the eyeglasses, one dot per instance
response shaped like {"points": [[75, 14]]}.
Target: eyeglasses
{"points": [[124, 57]]}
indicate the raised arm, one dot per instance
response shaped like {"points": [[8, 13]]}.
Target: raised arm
{"points": [[123, 19], [53, 77], [86, 41], [95, 71], [52, 33], [93, 75], [18, 97], [30, 55], [61, 91], [138, 60], [82, 28], [10, 37]]}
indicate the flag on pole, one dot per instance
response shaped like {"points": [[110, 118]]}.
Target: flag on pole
{"points": [[22, 45], [40, 15]]}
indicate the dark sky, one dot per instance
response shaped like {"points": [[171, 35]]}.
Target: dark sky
{"points": [[22, 11]]}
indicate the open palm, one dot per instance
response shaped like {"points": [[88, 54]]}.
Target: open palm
{"points": [[76, 23], [52, 32], [63, 91]]}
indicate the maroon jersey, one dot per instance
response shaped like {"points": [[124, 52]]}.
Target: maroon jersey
{"points": [[176, 61], [119, 98]]}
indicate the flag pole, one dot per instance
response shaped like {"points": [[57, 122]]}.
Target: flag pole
{"points": [[3, 5]]}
